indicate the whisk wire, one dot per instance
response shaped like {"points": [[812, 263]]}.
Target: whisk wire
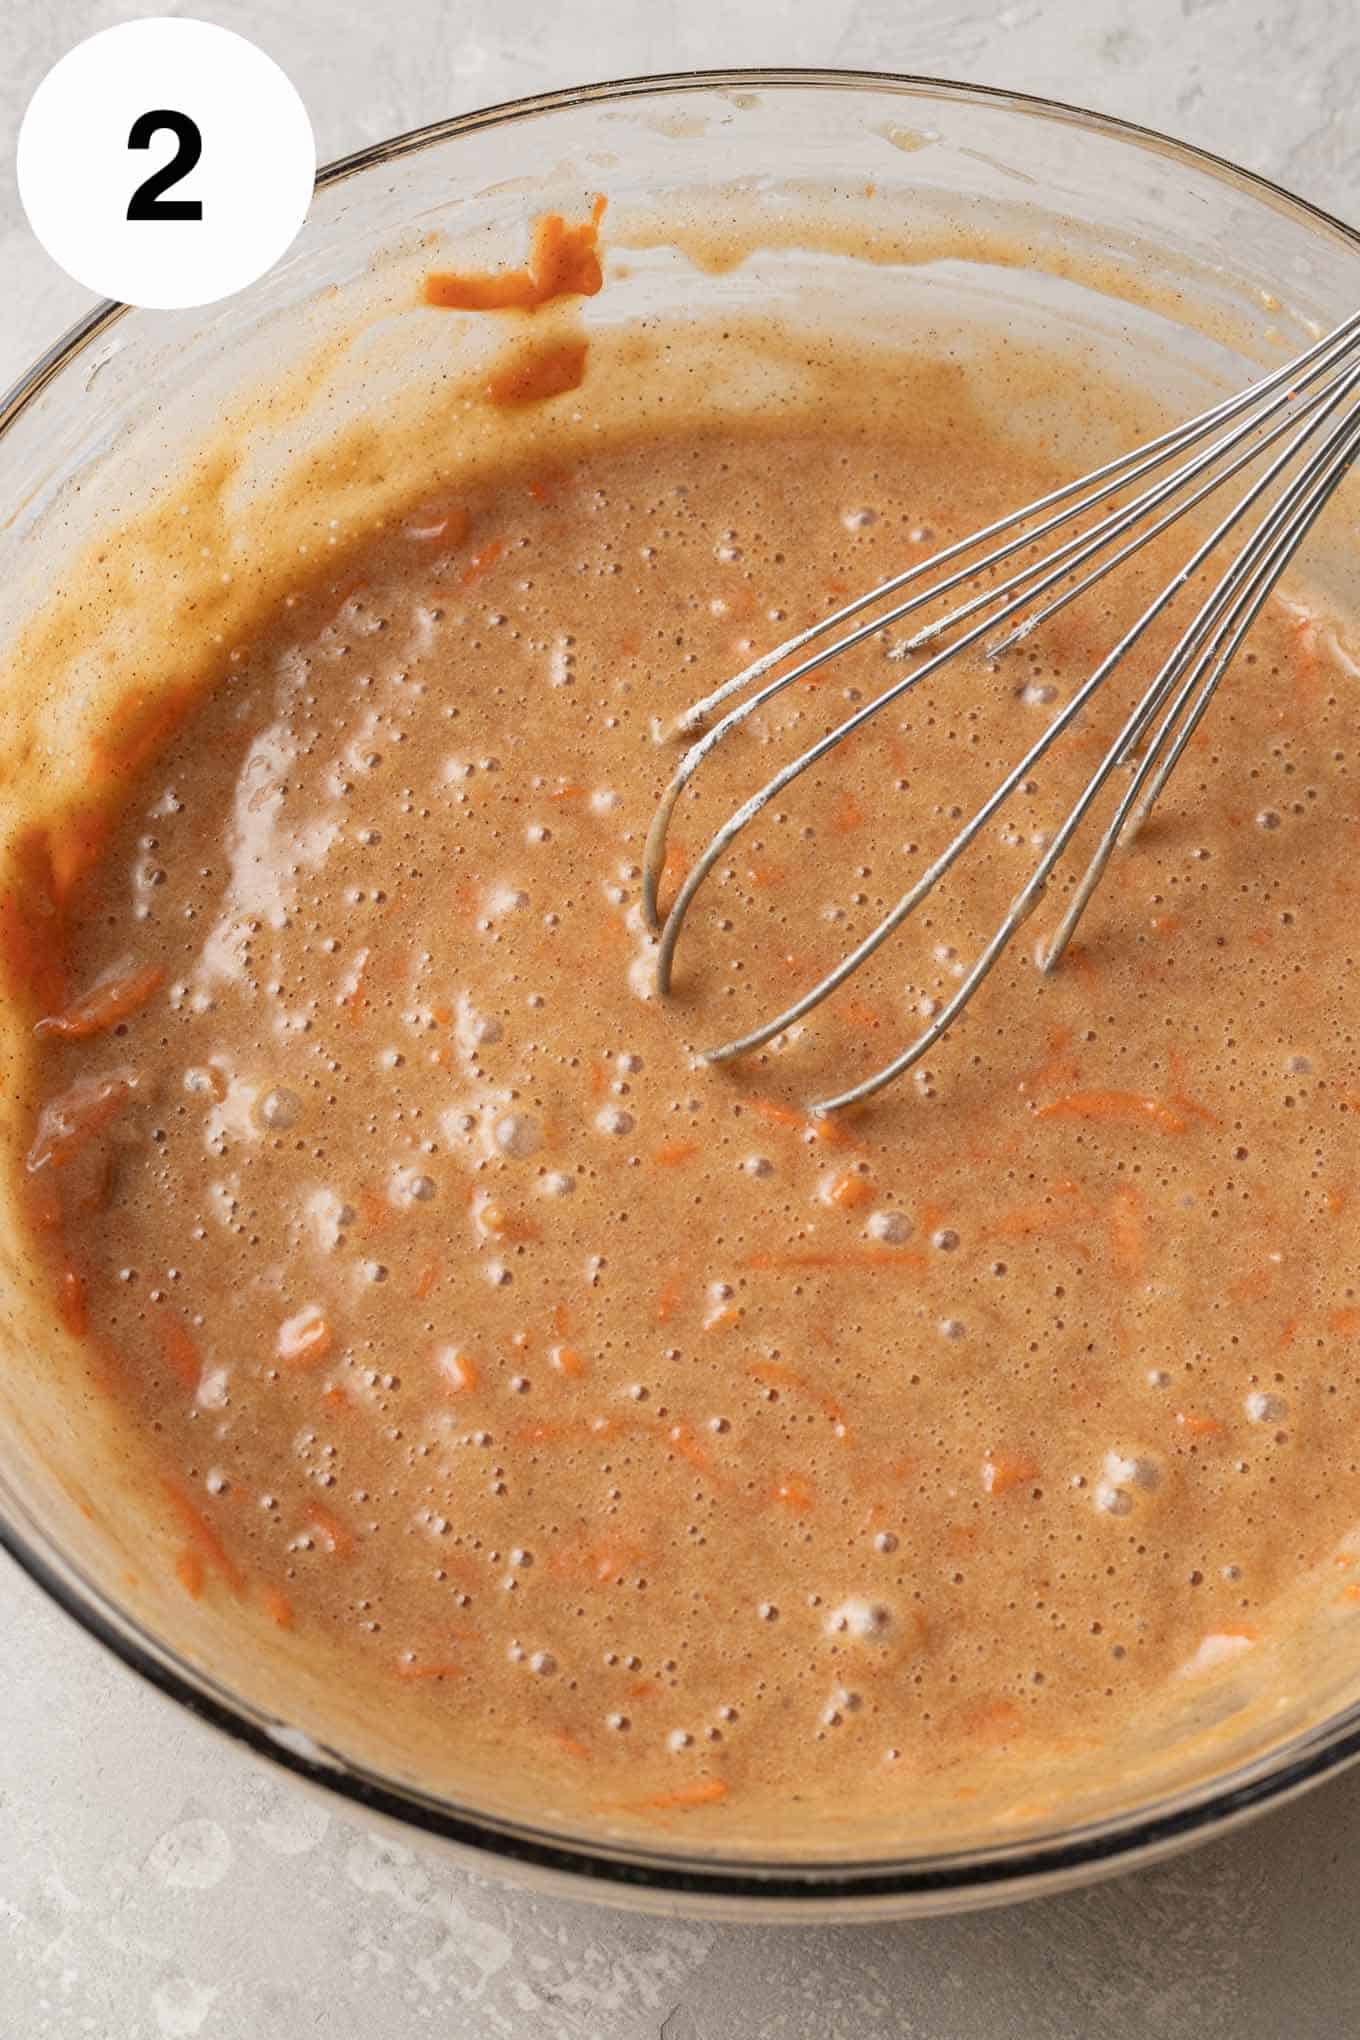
{"points": [[1301, 398], [1113, 475]]}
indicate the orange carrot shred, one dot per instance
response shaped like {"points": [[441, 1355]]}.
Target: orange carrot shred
{"points": [[277, 1606], [189, 1572], [675, 1152], [840, 1257], [505, 1225], [458, 1371], [482, 562], [178, 1349], [203, 1537], [850, 1190], [1002, 1471], [1116, 1108], [776, 1375], [71, 1303], [426, 1279], [669, 1297], [794, 1492], [688, 1447], [329, 1528], [66, 1123], [104, 1006], [305, 1339], [407, 1668], [702, 1792], [1195, 1424]]}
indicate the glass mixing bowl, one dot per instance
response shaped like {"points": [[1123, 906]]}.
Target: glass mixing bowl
{"points": [[983, 206]]}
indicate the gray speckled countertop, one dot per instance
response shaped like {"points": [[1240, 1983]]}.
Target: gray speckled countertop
{"points": [[154, 1884]]}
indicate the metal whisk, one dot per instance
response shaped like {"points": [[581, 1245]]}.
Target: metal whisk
{"points": [[1308, 411]]}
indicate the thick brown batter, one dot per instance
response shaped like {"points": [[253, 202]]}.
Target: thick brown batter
{"points": [[597, 1393]]}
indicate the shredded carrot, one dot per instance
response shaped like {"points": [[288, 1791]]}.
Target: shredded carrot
{"points": [[189, 1572], [561, 1320], [1196, 1425], [724, 1317], [178, 1350], [675, 1152], [850, 1190], [1350, 1592], [573, 1746], [458, 1370], [1002, 1471], [482, 562], [670, 1296], [328, 1527], [778, 1115], [278, 1607], [441, 1669], [841, 1257], [1116, 1108], [776, 1375], [505, 1225], [564, 261], [702, 1792], [566, 1360], [825, 1130], [688, 1447], [203, 1537], [426, 1279], [305, 1339], [67, 1122], [1192, 1110], [104, 1006], [795, 1493], [352, 997], [31, 925], [336, 1398], [71, 1307]]}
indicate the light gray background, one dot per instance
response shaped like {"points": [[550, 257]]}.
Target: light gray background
{"points": [[154, 1885]]}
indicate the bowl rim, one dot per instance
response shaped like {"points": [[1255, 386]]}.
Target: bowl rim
{"points": [[633, 1872]]}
